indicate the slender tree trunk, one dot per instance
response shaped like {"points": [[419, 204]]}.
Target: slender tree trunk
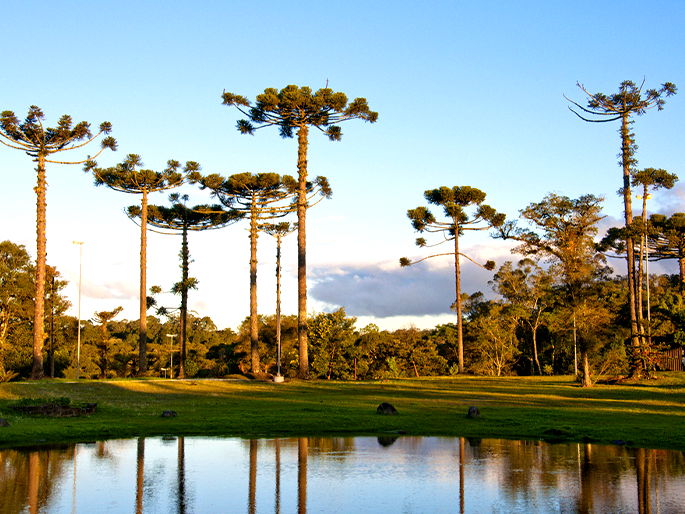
{"points": [[681, 265], [181, 475], [254, 321], [534, 331], [302, 134], [41, 257], [252, 483], [142, 330], [278, 304], [636, 365], [140, 474], [587, 379], [457, 287], [302, 455], [183, 320]]}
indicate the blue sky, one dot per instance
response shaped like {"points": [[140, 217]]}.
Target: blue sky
{"points": [[468, 93]]}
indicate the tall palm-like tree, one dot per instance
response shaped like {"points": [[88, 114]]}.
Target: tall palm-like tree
{"points": [[454, 202], [630, 100], [130, 177], [262, 197], [180, 219], [294, 110], [42, 143]]}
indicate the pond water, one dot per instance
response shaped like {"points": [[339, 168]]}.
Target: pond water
{"points": [[343, 475]]}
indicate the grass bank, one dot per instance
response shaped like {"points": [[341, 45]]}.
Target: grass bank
{"points": [[650, 414]]}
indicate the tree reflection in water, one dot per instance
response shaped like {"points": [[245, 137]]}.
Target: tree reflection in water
{"points": [[389, 474]]}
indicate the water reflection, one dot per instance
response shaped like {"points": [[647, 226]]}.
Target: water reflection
{"points": [[405, 474]]}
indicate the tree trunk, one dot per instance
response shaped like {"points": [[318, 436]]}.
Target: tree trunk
{"points": [[302, 251], [681, 265], [457, 287], [183, 319], [587, 379], [636, 364], [535, 348], [278, 304], [41, 257], [254, 326], [142, 330]]}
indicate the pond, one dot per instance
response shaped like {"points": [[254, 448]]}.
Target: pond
{"points": [[361, 474]]}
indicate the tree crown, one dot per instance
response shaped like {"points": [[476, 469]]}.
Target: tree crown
{"points": [[36, 140], [295, 107], [129, 176]]}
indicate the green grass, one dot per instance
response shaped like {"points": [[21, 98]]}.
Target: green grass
{"points": [[650, 414]]}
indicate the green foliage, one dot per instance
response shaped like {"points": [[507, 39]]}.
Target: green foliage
{"points": [[293, 107]]}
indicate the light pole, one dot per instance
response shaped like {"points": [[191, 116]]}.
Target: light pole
{"points": [[171, 354], [78, 331]]}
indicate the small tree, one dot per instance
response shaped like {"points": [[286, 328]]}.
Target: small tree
{"points": [[129, 177], [293, 110], [454, 202], [629, 101], [102, 319], [42, 143], [181, 219]]}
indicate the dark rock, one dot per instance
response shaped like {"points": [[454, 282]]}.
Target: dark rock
{"points": [[386, 409], [473, 413], [169, 414], [4, 422], [89, 408]]}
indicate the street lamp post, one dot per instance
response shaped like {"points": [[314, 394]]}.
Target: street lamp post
{"points": [[78, 331], [171, 354]]}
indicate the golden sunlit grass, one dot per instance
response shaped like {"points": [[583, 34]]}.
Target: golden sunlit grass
{"points": [[649, 414]]}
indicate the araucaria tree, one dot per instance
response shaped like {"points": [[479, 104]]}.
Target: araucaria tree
{"points": [[630, 100], [262, 197], [180, 219], [293, 110], [42, 143], [129, 177], [454, 201]]}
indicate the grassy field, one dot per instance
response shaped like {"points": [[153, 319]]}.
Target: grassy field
{"points": [[650, 414]]}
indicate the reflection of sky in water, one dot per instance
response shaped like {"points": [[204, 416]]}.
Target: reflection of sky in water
{"points": [[359, 475]]}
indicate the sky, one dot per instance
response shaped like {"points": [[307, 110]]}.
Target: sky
{"points": [[468, 93]]}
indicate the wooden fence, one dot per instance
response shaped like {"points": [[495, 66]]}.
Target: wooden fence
{"points": [[671, 360]]}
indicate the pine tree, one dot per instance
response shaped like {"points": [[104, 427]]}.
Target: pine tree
{"points": [[454, 202], [42, 143], [629, 101], [130, 177], [294, 110], [180, 219], [262, 197]]}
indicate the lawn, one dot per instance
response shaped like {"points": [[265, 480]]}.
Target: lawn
{"points": [[649, 414]]}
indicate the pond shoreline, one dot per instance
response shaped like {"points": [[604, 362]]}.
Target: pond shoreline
{"points": [[648, 414]]}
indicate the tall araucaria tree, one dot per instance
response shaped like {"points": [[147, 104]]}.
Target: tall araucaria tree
{"points": [[130, 177], [278, 231], [42, 143], [630, 100], [180, 219], [454, 201], [262, 197], [294, 110]]}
